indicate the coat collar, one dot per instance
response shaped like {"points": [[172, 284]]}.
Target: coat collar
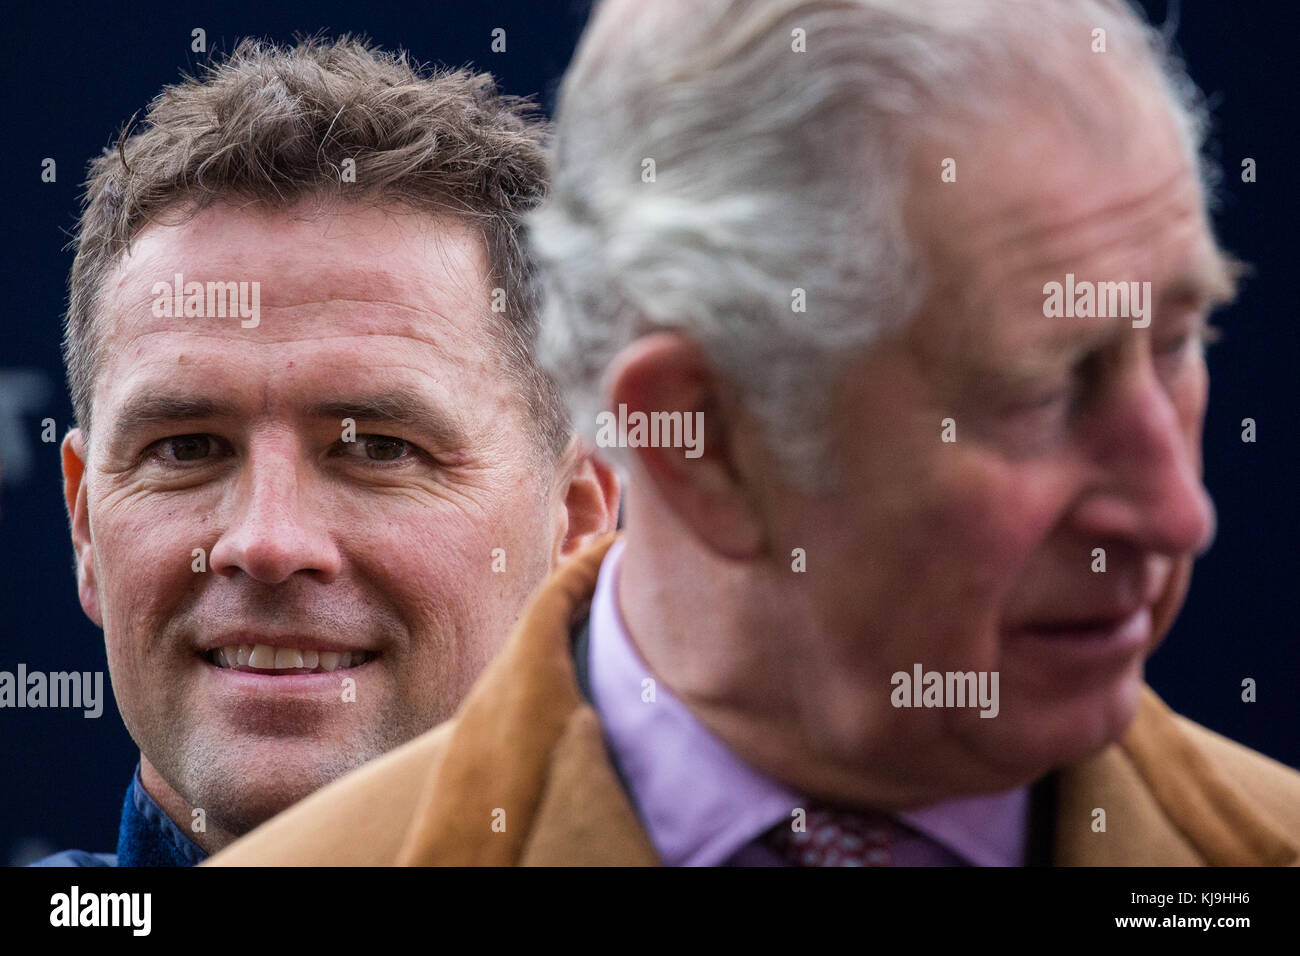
{"points": [[526, 778], [1166, 803]]}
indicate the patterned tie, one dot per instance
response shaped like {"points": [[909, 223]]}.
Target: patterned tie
{"points": [[827, 836]]}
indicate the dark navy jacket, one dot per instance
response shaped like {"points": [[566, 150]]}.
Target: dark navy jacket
{"points": [[147, 837]]}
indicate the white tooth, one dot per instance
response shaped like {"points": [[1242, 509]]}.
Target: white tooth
{"points": [[345, 660], [242, 653], [231, 655], [219, 657], [288, 657], [263, 657], [329, 660], [310, 658]]}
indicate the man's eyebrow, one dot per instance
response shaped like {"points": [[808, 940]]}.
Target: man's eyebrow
{"points": [[1204, 289], [1209, 288], [399, 406], [149, 409]]}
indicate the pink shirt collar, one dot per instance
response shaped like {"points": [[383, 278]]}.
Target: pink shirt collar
{"points": [[701, 804]]}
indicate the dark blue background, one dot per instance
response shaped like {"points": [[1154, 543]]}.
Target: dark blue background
{"points": [[72, 75]]}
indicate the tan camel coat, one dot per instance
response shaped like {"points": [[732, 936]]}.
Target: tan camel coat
{"points": [[526, 742]]}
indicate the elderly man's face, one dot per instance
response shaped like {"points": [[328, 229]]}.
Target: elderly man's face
{"points": [[352, 589], [1071, 434]]}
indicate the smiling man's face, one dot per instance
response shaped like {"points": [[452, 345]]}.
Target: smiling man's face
{"points": [[352, 590]]}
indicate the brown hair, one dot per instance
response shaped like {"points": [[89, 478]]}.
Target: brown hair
{"points": [[272, 124]]}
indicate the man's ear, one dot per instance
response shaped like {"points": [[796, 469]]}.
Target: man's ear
{"points": [[591, 496], [75, 495], [704, 483]]}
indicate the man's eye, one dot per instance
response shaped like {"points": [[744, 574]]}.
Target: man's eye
{"points": [[1204, 336], [1041, 419], [1045, 401], [1201, 336], [379, 448], [185, 448]]}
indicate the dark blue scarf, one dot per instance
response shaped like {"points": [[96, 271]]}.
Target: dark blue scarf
{"points": [[148, 837]]}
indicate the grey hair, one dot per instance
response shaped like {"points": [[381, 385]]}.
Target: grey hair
{"points": [[777, 170]]}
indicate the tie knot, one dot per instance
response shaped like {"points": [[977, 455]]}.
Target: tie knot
{"points": [[829, 836]]}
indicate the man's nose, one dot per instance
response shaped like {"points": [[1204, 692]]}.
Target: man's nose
{"points": [[276, 525], [1151, 492]]}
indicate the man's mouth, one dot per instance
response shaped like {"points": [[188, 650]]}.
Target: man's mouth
{"points": [[264, 659]]}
